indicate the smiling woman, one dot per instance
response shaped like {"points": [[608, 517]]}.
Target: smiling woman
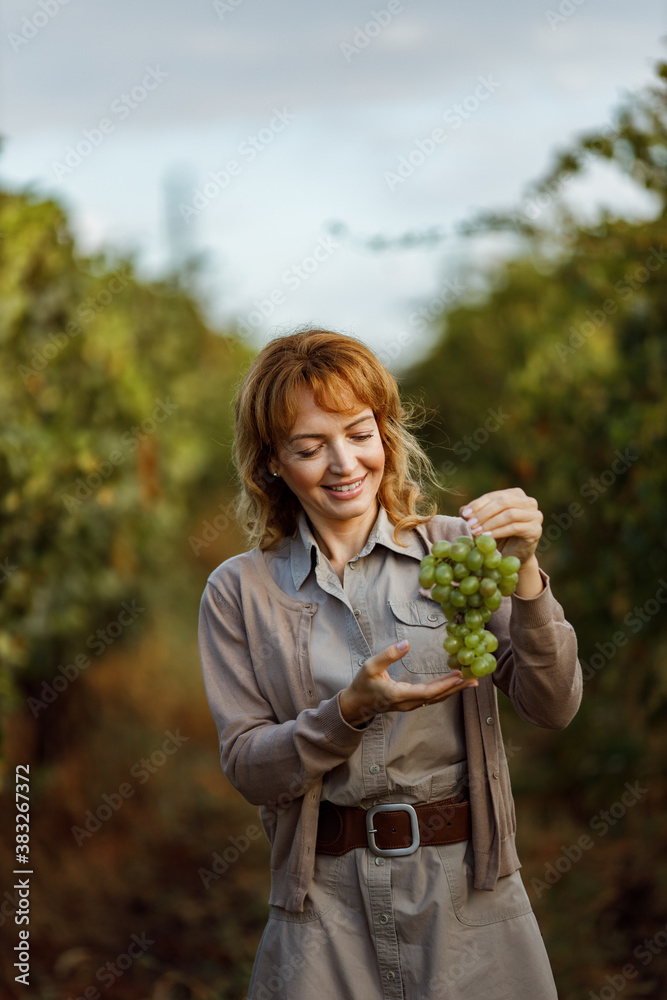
{"points": [[394, 872]]}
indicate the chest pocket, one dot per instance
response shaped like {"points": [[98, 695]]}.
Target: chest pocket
{"points": [[423, 624]]}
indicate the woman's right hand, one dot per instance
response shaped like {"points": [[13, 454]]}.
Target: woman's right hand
{"points": [[373, 691]]}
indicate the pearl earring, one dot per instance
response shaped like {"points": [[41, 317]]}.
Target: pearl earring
{"points": [[275, 473]]}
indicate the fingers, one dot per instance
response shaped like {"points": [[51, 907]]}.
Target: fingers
{"points": [[507, 514], [412, 696], [376, 665]]}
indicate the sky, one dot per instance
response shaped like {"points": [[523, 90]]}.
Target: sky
{"points": [[274, 139]]}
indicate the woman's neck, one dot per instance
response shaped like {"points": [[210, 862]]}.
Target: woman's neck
{"points": [[341, 541]]}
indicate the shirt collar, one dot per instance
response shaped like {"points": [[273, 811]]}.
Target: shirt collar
{"points": [[305, 553]]}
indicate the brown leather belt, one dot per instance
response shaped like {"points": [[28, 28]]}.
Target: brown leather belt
{"points": [[392, 829]]}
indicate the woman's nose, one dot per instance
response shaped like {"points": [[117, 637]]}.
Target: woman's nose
{"points": [[342, 460]]}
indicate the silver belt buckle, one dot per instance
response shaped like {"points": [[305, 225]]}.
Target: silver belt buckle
{"points": [[392, 852]]}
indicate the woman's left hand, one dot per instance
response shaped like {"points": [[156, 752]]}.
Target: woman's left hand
{"points": [[513, 518], [515, 521]]}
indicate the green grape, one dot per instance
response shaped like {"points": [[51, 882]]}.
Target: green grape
{"points": [[494, 574], [493, 560], [478, 667], [428, 561], [486, 544], [465, 657], [509, 565], [472, 639], [451, 628], [444, 574], [467, 673], [452, 662], [441, 594], [473, 619], [507, 586], [465, 540], [451, 644], [475, 600], [490, 662], [475, 559], [491, 642], [441, 549], [486, 614], [462, 630], [457, 599], [459, 551], [487, 587], [427, 576], [494, 601], [449, 611], [460, 571], [469, 585]]}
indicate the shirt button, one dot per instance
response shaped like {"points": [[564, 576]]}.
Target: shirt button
{"points": [[390, 976], [432, 618], [384, 919], [361, 661], [489, 721], [496, 774], [374, 768], [357, 613], [352, 565], [379, 861]]}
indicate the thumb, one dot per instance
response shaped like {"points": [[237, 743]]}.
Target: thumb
{"points": [[390, 654]]}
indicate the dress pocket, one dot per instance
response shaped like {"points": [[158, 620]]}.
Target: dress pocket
{"points": [[423, 624], [321, 894], [476, 907]]}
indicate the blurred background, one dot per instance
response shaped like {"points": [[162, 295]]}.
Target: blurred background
{"points": [[476, 192]]}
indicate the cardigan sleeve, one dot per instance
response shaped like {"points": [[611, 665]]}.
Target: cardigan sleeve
{"points": [[538, 667], [264, 758]]}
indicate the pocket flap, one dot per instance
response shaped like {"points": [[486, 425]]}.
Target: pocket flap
{"points": [[425, 612]]}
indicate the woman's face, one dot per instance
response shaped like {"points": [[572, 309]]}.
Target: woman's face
{"points": [[332, 462]]}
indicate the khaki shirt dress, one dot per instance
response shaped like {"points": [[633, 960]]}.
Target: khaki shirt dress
{"points": [[411, 927]]}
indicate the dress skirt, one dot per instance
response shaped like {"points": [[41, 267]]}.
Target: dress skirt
{"points": [[406, 928]]}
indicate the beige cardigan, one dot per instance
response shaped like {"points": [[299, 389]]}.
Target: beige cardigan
{"points": [[277, 740]]}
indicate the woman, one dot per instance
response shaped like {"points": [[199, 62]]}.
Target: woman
{"points": [[326, 677]]}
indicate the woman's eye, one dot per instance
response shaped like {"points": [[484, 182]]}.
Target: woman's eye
{"points": [[362, 437], [308, 454]]}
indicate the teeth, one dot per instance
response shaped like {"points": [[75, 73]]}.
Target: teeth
{"points": [[345, 489]]}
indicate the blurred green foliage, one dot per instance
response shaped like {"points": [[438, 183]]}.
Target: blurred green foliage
{"points": [[115, 423], [555, 380]]}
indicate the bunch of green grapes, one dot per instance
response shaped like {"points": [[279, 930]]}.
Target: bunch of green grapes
{"points": [[469, 577]]}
